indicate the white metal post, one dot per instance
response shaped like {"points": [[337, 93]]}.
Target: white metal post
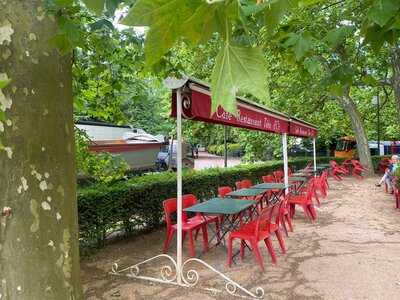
{"points": [[315, 157], [285, 161], [179, 183]]}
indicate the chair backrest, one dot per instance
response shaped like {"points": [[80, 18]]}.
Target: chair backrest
{"points": [[278, 175], [223, 190], [170, 207], [333, 163], [268, 178], [268, 215], [246, 183]]}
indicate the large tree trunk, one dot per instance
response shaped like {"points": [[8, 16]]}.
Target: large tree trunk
{"points": [[396, 79], [359, 132], [39, 256]]}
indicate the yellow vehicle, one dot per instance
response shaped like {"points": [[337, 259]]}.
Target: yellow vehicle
{"points": [[346, 148]]}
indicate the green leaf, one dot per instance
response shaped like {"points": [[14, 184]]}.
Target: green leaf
{"points": [[383, 10], [300, 44], [238, 68], [336, 90], [148, 12], [369, 80], [96, 6], [201, 25], [312, 65], [276, 10], [4, 80], [2, 115], [336, 36]]}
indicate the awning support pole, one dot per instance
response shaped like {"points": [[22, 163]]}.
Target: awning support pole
{"points": [[285, 161], [225, 147], [179, 184], [315, 157]]}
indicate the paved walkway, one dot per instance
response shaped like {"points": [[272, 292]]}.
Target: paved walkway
{"points": [[351, 252], [207, 160]]}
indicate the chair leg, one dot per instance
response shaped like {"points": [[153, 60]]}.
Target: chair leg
{"points": [[312, 211], [205, 237], [257, 255], [168, 238], [271, 250], [217, 227], [281, 241], [192, 250], [242, 249], [285, 228], [289, 221], [229, 252]]}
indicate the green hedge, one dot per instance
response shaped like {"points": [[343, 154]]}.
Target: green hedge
{"points": [[136, 204]]}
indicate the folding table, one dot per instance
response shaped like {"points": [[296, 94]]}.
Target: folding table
{"points": [[298, 182], [229, 208], [276, 189]]}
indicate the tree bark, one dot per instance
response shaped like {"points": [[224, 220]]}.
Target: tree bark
{"points": [[396, 78], [364, 153], [39, 257]]}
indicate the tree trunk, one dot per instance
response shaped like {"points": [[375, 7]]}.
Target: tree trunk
{"points": [[396, 79], [39, 257], [364, 153]]}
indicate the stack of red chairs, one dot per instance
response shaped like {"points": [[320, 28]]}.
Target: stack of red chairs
{"points": [[258, 230], [304, 200], [337, 170], [321, 184], [358, 168]]}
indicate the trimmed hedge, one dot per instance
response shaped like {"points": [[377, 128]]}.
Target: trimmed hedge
{"points": [[136, 204]]}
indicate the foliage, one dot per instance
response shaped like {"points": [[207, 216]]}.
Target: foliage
{"points": [[136, 204], [232, 149], [102, 167]]}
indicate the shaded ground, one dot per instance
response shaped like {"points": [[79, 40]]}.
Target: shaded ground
{"points": [[351, 252], [207, 160]]}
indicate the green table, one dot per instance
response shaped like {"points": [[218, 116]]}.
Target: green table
{"points": [[221, 206], [297, 179], [250, 192], [276, 190], [230, 208], [271, 186], [298, 182]]}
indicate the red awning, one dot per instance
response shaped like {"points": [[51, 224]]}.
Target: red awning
{"points": [[196, 105], [302, 129]]}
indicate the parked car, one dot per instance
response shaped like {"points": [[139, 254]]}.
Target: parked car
{"points": [[164, 159]]}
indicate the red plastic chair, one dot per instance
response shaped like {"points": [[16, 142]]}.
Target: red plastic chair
{"points": [[285, 219], [337, 170], [305, 201], [358, 168], [223, 190], [245, 184], [256, 231], [188, 224], [397, 197], [278, 175]]}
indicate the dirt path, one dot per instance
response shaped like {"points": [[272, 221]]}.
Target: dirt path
{"points": [[351, 252]]}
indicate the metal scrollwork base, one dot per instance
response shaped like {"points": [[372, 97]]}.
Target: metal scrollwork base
{"points": [[190, 278]]}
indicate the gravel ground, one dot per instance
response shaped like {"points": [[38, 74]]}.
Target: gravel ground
{"points": [[351, 252]]}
